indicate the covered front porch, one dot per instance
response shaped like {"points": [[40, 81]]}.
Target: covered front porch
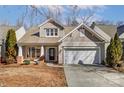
{"points": [[39, 52]]}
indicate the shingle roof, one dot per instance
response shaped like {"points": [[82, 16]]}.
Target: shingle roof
{"points": [[32, 36], [3, 31], [108, 29], [102, 33]]}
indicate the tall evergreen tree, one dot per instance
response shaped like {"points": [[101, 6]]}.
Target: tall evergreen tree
{"points": [[11, 46], [118, 49], [111, 53], [114, 52]]}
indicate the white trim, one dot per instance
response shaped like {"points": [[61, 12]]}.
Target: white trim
{"points": [[48, 21], [98, 35], [44, 22], [99, 50], [85, 42], [70, 32]]}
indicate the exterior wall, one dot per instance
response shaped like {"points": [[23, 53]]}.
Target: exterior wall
{"points": [[75, 40], [106, 45], [49, 25]]}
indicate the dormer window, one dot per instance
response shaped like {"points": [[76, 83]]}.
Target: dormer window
{"points": [[51, 32]]}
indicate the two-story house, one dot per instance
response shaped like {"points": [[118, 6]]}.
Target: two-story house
{"points": [[63, 44]]}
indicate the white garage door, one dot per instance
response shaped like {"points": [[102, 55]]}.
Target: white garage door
{"points": [[81, 56]]}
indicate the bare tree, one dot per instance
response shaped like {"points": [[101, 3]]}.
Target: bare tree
{"points": [[105, 22], [47, 12], [77, 15], [119, 23]]}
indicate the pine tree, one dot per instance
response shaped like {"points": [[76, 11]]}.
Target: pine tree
{"points": [[111, 53], [11, 46], [118, 49], [114, 52]]}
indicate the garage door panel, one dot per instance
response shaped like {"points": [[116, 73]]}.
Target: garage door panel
{"points": [[81, 56]]}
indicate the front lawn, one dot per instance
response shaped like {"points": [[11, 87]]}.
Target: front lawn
{"points": [[15, 75]]}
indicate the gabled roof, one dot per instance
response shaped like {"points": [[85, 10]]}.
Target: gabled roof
{"points": [[86, 27], [51, 20], [108, 29], [32, 36]]}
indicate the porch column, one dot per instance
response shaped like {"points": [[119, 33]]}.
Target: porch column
{"points": [[20, 56], [19, 50], [42, 53]]}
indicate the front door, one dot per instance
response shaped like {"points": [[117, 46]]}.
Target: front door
{"points": [[51, 54]]}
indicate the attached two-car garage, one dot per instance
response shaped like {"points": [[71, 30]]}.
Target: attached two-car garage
{"points": [[82, 55]]}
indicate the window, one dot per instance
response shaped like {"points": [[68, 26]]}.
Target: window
{"points": [[33, 52], [51, 32], [56, 32], [47, 32]]}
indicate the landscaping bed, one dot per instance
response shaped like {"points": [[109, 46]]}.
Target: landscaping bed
{"points": [[15, 75]]}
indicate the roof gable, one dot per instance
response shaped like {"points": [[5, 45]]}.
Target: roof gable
{"points": [[53, 22], [87, 28]]}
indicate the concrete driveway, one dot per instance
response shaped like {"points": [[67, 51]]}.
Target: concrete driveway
{"points": [[92, 76]]}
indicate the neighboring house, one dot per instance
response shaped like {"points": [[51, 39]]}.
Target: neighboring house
{"points": [[3, 32], [64, 45]]}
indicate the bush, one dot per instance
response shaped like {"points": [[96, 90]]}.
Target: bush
{"points": [[26, 62]]}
